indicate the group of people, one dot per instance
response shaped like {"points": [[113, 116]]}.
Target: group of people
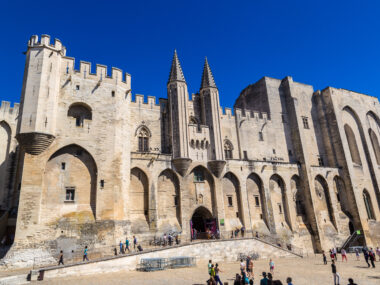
{"points": [[235, 233], [123, 249], [213, 271], [168, 239]]}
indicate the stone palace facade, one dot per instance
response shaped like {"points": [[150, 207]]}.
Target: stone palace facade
{"points": [[82, 163]]}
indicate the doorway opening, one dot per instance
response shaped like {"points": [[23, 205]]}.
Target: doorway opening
{"points": [[203, 225]]}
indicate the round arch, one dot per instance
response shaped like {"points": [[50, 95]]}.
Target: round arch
{"points": [[256, 199], [322, 191], [70, 173], [169, 200], [232, 202], [203, 224], [279, 199], [139, 200]]}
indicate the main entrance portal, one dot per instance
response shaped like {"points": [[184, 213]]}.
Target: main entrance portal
{"points": [[202, 224]]}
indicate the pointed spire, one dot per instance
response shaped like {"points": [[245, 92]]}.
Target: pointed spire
{"points": [[176, 73], [207, 77]]}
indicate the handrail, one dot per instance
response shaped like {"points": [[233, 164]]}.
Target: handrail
{"points": [[102, 253]]}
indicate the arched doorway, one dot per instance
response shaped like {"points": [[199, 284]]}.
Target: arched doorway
{"points": [[202, 224]]}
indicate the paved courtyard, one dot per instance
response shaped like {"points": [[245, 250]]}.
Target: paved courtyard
{"points": [[309, 270]]}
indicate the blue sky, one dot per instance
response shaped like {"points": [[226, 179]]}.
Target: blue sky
{"points": [[322, 43]]}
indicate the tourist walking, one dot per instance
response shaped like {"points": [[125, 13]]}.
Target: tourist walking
{"points": [[238, 280], [209, 267], [357, 253], [335, 254], [247, 261], [250, 268], [351, 282], [273, 282], [371, 256], [134, 243], [242, 231], [289, 281], [127, 244], [61, 258], [378, 252], [324, 258], [85, 252], [264, 281], [217, 278], [121, 247], [165, 240], [335, 273], [366, 256], [115, 251], [271, 266], [242, 266], [344, 254]]}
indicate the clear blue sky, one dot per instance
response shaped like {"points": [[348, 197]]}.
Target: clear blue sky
{"points": [[322, 43]]}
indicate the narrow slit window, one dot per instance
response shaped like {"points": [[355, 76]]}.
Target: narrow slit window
{"points": [[229, 198], [257, 201]]}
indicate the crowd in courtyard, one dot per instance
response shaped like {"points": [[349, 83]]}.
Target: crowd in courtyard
{"points": [[247, 276]]}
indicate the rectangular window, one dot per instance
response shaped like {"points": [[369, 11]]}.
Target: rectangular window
{"points": [[320, 161], [78, 121], [113, 93], [229, 199], [77, 87], [63, 166], [141, 149], [274, 151], [257, 201], [198, 176], [305, 122], [280, 208], [261, 136], [261, 216], [245, 155], [237, 214], [175, 200], [290, 152], [70, 194]]}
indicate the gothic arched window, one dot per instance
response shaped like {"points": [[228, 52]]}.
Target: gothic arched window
{"points": [[355, 156], [228, 149], [143, 138]]}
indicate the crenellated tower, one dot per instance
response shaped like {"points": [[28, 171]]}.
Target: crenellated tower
{"points": [[178, 109], [211, 117], [38, 106]]}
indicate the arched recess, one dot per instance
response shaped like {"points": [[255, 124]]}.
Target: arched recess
{"points": [[368, 159], [169, 209], [375, 145], [279, 201], [70, 184], [232, 202], [354, 150], [298, 197], [5, 144], [324, 206], [368, 205], [203, 189], [80, 111], [139, 200], [257, 201], [341, 196]]}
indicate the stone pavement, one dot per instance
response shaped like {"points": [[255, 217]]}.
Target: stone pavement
{"points": [[309, 270]]}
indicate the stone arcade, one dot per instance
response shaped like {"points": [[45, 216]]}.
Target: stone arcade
{"points": [[83, 163]]}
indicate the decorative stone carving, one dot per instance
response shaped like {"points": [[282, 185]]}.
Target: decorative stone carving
{"points": [[216, 166], [181, 165], [35, 143]]}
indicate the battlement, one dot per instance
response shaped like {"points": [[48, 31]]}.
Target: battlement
{"points": [[5, 108], [148, 102], [245, 113], [45, 42], [117, 76]]}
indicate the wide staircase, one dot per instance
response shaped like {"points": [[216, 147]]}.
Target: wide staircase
{"points": [[355, 239]]}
